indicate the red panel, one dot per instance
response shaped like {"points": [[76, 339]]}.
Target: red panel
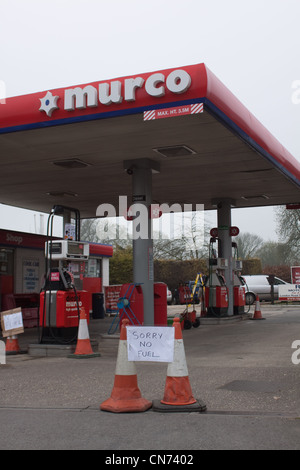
{"points": [[10, 237], [24, 110], [101, 250], [66, 308], [7, 284], [239, 296], [135, 310], [91, 285], [112, 295], [226, 102]]}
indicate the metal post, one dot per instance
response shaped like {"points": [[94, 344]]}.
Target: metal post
{"points": [[66, 220], [225, 249], [143, 271]]}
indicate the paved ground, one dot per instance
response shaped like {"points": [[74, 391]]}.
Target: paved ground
{"points": [[242, 371]]}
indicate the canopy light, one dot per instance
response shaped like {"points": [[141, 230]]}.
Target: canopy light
{"points": [[61, 194], [71, 163], [175, 151], [259, 196]]}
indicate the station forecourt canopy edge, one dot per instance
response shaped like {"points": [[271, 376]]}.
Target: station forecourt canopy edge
{"points": [[68, 145]]}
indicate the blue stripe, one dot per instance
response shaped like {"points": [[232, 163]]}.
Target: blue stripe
{"points": [[93, 117], [218, 114]]}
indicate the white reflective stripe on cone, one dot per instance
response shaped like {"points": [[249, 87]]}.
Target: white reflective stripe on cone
{"points": [[124, 367], [83, 332], [178, 368]]}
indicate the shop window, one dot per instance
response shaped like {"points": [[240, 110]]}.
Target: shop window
{"points": [[93, 268]]}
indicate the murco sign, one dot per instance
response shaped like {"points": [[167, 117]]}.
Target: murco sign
{"points": [[106, 93]]}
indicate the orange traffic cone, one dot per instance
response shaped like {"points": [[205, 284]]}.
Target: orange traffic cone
{"points": [[178, 394], [83, 346], [125, 396], [257, 312], [12, 345]]}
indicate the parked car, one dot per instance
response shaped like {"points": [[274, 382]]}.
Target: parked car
{"points": [[259, 284]]}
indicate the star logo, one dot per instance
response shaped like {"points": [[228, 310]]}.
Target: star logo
{"points": [[49, 103]]}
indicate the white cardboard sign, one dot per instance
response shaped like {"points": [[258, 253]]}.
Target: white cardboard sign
{"points": [[150, 343], [12, 322]]}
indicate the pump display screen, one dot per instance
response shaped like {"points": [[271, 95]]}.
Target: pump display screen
{"points": [[55, 248], [75, 249], [67, 249]]}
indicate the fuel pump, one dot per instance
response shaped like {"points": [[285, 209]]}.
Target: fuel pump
{"points": [[216, 292], [239, 293], [62, 295]]}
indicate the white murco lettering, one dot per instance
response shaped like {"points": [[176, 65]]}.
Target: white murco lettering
{"points": [[177, 82]]}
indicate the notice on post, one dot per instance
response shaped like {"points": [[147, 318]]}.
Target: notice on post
{"points": [[150, 343]]}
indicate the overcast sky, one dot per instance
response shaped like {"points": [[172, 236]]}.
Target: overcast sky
{"points": [[252, 46]]}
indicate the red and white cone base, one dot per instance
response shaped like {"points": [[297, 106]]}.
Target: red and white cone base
{"points": [[125, 396], [12, 345], [257, 312], [83, 348], [178, 394]]}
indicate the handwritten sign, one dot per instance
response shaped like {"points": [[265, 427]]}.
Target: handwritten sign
{"points": [[12, 322], [150, 343]]}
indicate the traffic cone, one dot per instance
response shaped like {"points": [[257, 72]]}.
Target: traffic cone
{"points": [[257, 312], [125, 396], [178, 394], [83, 346], [12, 345]]}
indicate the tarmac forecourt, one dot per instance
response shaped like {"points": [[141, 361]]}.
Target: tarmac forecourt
{"points": [[246, 372]]}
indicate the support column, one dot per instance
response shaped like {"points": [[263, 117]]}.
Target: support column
{"points": [[143, 270], [225, 247]]}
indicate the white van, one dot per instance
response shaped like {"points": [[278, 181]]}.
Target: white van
{"points": [[258, 284]]}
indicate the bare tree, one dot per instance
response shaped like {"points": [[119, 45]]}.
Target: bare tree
{"points": [[288, 225], [288, 229], [248, 244]]}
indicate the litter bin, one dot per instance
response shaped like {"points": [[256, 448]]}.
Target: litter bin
{"points": [[98, 305]]}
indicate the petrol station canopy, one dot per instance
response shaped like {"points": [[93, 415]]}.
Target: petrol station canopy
{"points": [[68, 146]]}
